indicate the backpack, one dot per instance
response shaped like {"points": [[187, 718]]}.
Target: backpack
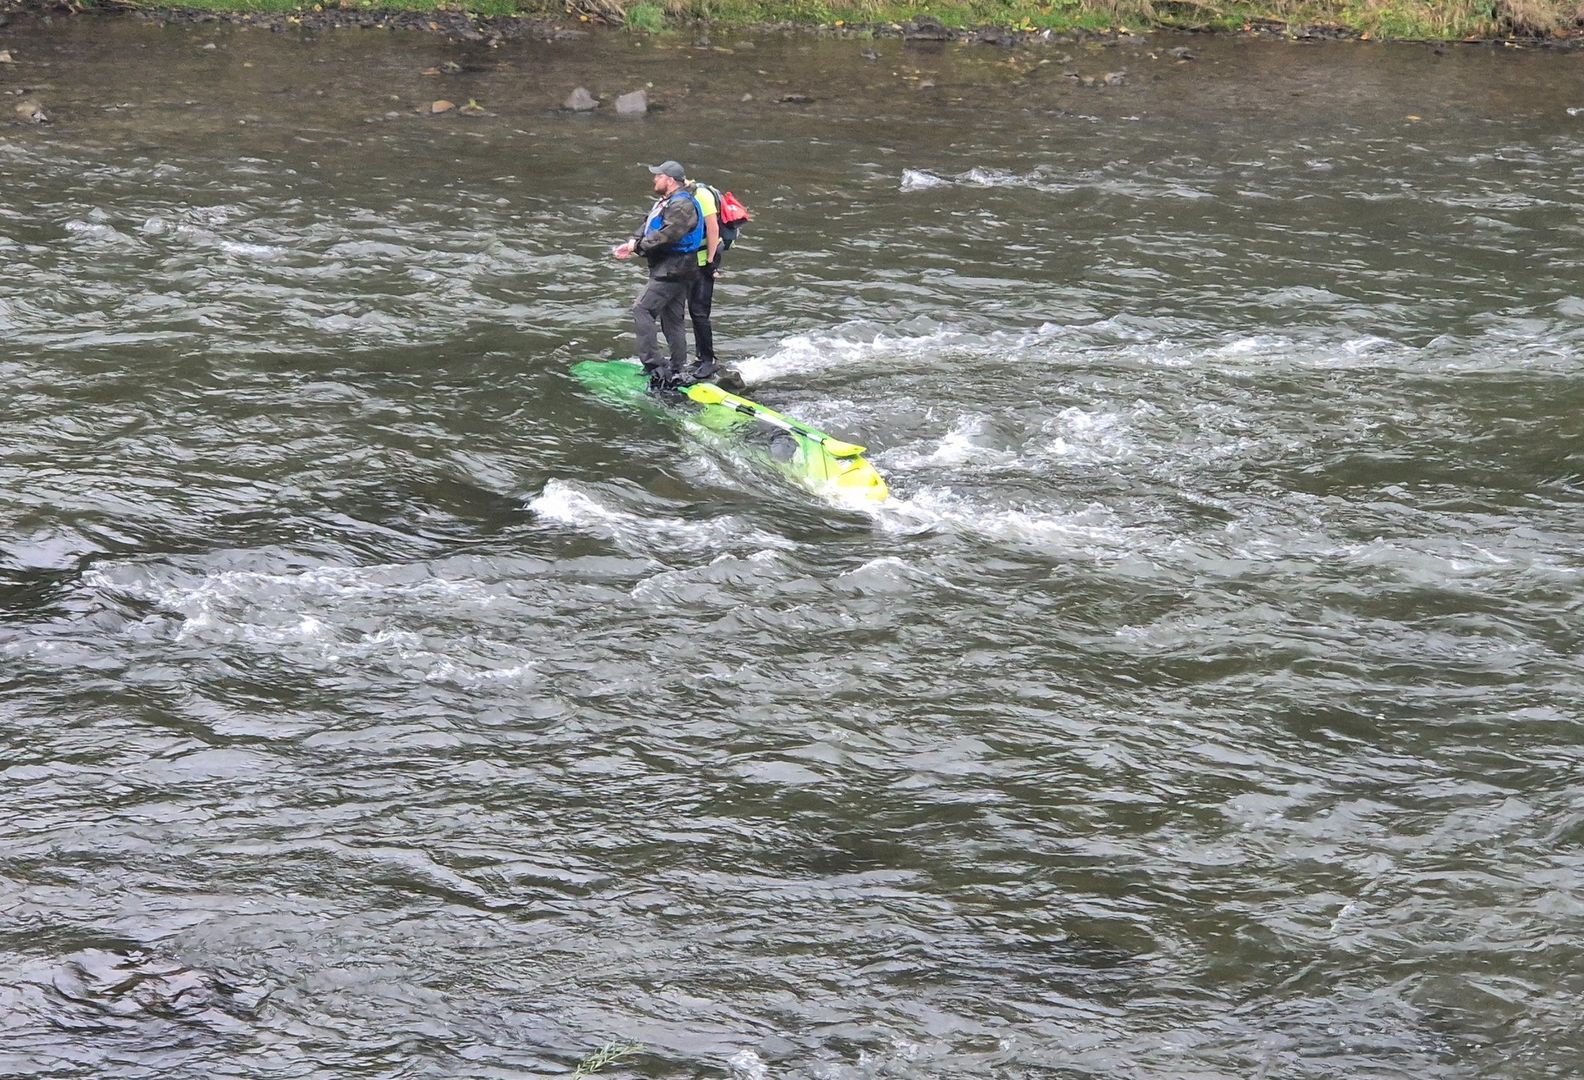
{"points": [[731, 215]]}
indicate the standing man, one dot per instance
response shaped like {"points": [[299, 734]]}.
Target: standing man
{"points": [[701, 293], [670, 239]]}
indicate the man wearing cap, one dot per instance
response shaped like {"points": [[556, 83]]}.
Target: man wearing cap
{"points": [[670, 239]]}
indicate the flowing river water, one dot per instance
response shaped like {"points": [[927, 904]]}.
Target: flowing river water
{"points": [[375, 702]]}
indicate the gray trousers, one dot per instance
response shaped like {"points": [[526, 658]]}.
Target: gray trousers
{"points": [[665, 301]]}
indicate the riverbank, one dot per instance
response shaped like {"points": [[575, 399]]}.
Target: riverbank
{"points": [[1001, 22]]}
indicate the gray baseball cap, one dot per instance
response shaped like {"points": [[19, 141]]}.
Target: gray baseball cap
{"points": [[673, 169]]}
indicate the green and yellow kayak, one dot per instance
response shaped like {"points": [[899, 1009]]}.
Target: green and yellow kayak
{"points": [[827, 466]]}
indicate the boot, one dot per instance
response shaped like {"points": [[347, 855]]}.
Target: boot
{"points": [[661, 377], [731, 382]]}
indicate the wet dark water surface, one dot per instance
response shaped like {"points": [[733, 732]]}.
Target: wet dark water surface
{"points": [[1206, 704]]}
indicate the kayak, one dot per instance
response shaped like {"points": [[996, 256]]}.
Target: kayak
{"points": [[827, 466]]}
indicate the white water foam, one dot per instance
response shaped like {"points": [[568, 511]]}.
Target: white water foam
{"points": [[1043, 180], [918, 180], [859, 346], [747, 1065], [565, 502], [889, 575], [922, 180], [1094, 436], [922, 344], [323, 616], [98, 230], [959, 446], [482, 661], [267, 608], [726, 576], [916, 344], [1485, 352], [1093, 532]]}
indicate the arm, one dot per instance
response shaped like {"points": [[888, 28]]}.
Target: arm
{"points": [[711, 235], [628, 247]]}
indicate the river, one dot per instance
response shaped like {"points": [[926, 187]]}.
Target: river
{"points": [[1206, 703]]}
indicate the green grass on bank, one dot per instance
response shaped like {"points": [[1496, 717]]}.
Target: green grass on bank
{"points": [[1379, 19], [493, 8], [1390, 19]]}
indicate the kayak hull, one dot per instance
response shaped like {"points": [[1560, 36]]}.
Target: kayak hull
{"points": [[805, 455]]}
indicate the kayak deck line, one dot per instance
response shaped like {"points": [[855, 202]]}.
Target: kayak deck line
{"points": [[823, 464]]}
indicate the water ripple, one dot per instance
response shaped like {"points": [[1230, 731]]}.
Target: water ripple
{"points": [[1204, 703]]}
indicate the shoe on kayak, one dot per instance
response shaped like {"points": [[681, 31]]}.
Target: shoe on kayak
{"points": [[710, 371], [662, 377]]}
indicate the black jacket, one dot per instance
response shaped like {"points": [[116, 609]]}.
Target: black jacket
{"points": [[677, 218]]}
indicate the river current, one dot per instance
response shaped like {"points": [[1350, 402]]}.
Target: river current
{"points": [[1206, 703]]}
